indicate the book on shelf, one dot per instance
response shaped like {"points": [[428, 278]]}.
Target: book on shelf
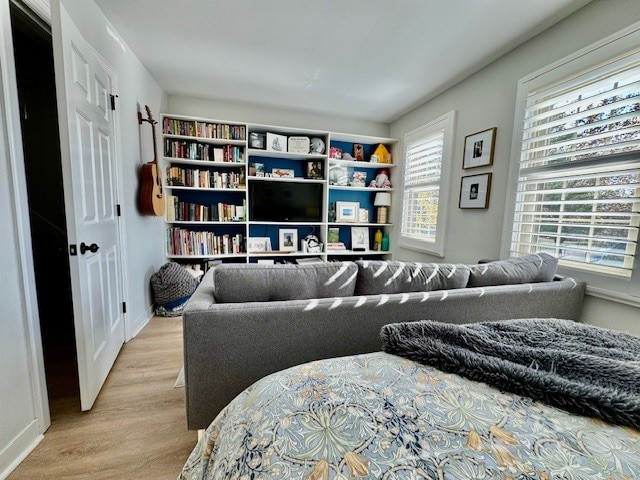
{"points": [[336, 246]]}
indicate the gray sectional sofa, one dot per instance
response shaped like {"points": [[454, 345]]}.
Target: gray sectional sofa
{"points": [[246, 321]]}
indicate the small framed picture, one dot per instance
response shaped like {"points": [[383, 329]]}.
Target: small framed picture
{"points": [[358, 152], [314, 170], [475, 190], [333, 235], [359, 179], [282, 173], [478, 148], [288, 239], [258, 244], [359, 238], [347, 211], [363, 215], [257, 140], [259, 169], [276, 143]]}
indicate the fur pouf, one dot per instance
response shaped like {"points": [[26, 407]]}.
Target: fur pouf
{"points": [[584, 369]]}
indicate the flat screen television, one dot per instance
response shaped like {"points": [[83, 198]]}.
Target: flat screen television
{"points": [[285, 201]]}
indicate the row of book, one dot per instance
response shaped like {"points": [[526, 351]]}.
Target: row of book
{"points": [[194, 177], [178, 211], [194, 128], [203, 151], [187, 242]]}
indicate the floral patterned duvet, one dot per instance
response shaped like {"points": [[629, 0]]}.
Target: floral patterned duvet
{"points": [[379, 416]]}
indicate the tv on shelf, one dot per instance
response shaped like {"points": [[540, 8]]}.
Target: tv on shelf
{"points": [[285, 201]]}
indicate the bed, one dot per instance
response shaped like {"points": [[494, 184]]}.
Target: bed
{"points": [[382, 416]]}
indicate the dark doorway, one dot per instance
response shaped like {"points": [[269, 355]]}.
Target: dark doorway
{"points": [[39, 122]]}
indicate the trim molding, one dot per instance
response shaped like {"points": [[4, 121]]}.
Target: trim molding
{"points": [[613, 296], [19, 448]]}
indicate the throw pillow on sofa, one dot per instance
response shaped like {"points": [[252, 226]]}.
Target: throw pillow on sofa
{"points": [[381, 276], [252, 282], [533, 268]]}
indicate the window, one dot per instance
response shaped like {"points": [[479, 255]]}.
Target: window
{"points": [[578, 183], [427, 166]]}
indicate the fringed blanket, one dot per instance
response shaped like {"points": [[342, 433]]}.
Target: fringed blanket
{"points": [[581, 368]]}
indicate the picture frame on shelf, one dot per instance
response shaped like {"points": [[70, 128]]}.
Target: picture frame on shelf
{"points": [[282, 173], [258, 169], [359, 238], [475, 191], [315, 170], [479, 148], [258, 244], [358, 152], [257, 140], [276, 142], [288, 240], [347, 212], [298, 145], [363, 215]]}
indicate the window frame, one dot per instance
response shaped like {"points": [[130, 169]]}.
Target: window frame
{"points": [[623, 44], [446, 124]]}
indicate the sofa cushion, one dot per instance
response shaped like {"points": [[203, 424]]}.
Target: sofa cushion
{"points": [[539, 267], [380, 276], [235, 283]]}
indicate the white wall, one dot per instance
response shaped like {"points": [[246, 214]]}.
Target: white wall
{"points": [[145, 251], [238, 112], [487, 99]]}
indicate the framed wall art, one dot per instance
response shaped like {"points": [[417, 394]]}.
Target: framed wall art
{"points": [[347, 211], [359, 238], [288, 240], [479, 148], [475, 190]]}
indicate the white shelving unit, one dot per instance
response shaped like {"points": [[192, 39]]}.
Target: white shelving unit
{"points": [[186, 148]]}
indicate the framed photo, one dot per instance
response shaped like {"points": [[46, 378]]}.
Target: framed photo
{"points": [[478, 148], [475, 190], [282, 173], [288, 239], [358, 152], [359, 238], [276, 143], [333, 235], [363, 215], [314, 170], [347, 211], [257, 140], [258, 244], [359, 179]]}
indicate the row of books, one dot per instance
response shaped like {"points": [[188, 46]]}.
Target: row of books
{"points": [[203, 151], [194, 128], [194, 177], [187, 242], [178, 211]]}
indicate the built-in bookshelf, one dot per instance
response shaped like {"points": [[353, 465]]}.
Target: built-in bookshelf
{"points": [[262, 193]]}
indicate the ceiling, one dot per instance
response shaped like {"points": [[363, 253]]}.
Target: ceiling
{"points": [[366, 59]]}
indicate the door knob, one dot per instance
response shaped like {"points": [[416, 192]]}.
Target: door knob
{"points": [[93, 248]]}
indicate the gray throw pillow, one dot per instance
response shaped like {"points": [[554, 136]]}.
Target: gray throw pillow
{"points": [[533, 268], [252, 282], [379, 276]]}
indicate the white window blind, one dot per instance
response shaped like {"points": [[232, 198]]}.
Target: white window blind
{"points": [[578, 190], [426, 172]]}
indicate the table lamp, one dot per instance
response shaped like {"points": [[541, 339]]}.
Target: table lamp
{"points": [[383, 202]]}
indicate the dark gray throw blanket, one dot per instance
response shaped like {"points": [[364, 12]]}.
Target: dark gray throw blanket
{"points": [[580, 368]]}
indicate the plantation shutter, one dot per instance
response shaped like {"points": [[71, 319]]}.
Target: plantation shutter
{"points": [[422, 172], [578, 191]]}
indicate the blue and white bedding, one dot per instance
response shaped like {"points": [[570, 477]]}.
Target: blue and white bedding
{"points": [[384, 417]]}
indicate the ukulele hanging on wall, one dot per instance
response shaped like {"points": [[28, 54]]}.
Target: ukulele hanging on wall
{"points": [[151, 199]]}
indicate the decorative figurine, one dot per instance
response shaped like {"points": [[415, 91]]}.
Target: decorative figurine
{"points": [[382, 178]]}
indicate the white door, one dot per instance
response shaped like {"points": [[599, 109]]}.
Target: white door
{"points": [[85, 85]]}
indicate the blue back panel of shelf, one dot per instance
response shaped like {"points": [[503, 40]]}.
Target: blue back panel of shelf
{"points": [[299, 167], [347, 147], [273, 231]]}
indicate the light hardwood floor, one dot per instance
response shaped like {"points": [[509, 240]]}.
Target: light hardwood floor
{"points": [[137, 427]]}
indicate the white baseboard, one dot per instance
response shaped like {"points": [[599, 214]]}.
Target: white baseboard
{"points": [[139, 323], [18, 448]]}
